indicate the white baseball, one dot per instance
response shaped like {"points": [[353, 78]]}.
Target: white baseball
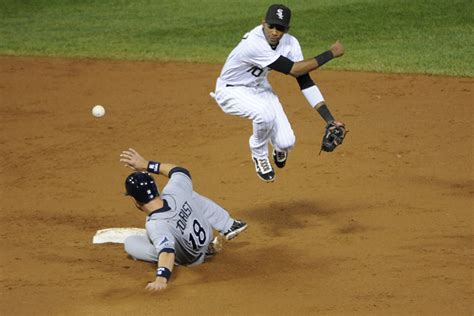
{"points": [[98, 111]]}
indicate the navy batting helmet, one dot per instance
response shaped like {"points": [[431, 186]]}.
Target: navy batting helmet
{"points": [[141, 186]]}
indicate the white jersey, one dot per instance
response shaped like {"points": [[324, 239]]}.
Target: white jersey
{"points": [[247, 65]]}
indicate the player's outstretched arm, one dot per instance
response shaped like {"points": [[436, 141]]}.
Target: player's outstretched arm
{"points": [[305, 66], [135, 161], [163, 273]]}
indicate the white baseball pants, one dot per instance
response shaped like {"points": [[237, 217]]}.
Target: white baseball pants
{"points": [[262, 106]]}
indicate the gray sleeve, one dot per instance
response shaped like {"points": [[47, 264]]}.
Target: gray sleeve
{"points": [[179, 183], [160, 236]]}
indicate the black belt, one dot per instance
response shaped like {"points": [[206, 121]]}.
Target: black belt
{"points": [[238, 85]]}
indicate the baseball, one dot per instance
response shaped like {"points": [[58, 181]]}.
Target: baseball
{"points": [[98, 111]]}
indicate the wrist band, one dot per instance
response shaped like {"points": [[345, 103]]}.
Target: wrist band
{"points": [[313, 95], [163, 272], [324, 112], [324, 57], [153, 167]]}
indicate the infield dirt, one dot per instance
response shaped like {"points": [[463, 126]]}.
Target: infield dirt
{"points": [[383, 225]]}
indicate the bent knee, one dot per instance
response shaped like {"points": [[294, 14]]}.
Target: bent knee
{"points": [[140, 248], [285, 143], [131, 244]]}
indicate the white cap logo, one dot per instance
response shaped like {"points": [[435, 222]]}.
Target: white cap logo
{"points": [[280, 14]]}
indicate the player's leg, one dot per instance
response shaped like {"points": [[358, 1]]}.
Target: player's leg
{"points": [[282, 135], [216, 215], [251, 103], [262, 124], [140, 248], [220, 219]]}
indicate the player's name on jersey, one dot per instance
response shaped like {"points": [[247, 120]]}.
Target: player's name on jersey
{"points": [[184, 214]]}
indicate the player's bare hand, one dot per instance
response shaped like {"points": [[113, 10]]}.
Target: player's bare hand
{"points": [[133, 160], [158, 285], [337, 49]]}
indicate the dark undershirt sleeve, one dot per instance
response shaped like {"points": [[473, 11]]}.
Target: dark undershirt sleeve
{"points": [[305, 81], [179, 169], [282, 64]]}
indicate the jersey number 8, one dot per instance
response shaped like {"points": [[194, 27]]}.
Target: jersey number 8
{"points": [[199, 233]]}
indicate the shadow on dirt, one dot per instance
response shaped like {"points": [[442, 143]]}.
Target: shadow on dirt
{"points": [[276, 218]]}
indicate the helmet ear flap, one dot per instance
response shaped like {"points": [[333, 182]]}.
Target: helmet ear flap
{"points": [[141, 186]]}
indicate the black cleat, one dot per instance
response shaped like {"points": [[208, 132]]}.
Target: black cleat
{"points": [[280, 157], [237, 227]]}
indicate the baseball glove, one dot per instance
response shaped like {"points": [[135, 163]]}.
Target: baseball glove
{"points": [[333, 136]]}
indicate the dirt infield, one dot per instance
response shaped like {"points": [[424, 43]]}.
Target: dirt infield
{"points": [[383, 225]]}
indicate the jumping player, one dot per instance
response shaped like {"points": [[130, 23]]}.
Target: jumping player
{"points": [[242, 88], [179, 222]]}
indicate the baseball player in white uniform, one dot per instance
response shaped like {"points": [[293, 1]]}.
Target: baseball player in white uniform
{"points": [[179, 222], [242, 88]]}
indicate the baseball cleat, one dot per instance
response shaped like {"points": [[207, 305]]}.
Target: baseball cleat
{"points": [[264, 169], [280, 157], [237, 227]]}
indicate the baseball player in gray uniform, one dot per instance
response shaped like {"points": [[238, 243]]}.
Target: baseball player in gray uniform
{"points": [[242, 88], [179, 221]]}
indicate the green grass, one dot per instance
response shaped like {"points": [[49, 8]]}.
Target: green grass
{"points": [[401, 36]]}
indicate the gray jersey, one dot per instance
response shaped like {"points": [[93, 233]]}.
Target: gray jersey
{"points": [[181, 224]]}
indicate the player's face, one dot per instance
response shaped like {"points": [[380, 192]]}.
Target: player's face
{"points": [[273, 33]]}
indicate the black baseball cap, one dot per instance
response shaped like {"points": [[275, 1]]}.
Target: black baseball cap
{"points": [[278, 14]]}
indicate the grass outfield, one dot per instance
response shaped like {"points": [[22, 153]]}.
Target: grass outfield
{"points": [[402, 36]]}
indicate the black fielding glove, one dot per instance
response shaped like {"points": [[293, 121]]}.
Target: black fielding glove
{"points": [[333, 136]]}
